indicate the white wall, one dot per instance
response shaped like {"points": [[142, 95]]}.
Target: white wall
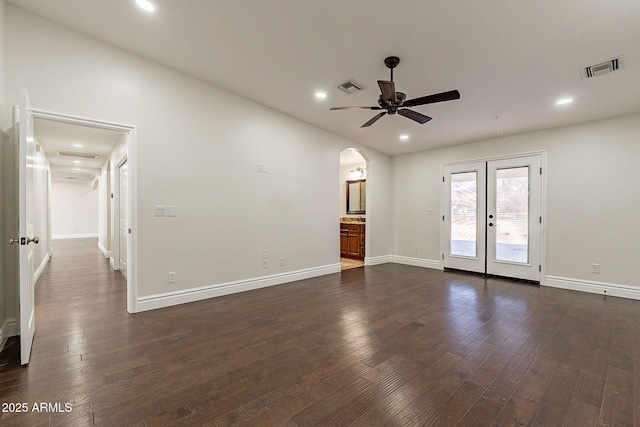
{"points": [[592, 200], [74, 210], [104, 210], [197, 148]]}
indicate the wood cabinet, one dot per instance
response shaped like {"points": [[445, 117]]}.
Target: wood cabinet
{"points": [[352, 238]]}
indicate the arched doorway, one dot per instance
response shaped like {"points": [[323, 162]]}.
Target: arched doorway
{"points": [[353, 208]]}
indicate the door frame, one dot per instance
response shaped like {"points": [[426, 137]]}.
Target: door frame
{"points": [[131, 157], [543, 202]]}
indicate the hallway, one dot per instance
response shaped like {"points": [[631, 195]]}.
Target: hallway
{"points": [[388, 345]]}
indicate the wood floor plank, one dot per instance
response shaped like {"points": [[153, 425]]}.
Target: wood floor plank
{"points": [[385, 345]]}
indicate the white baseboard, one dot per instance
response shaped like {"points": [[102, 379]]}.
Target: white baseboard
{"points": [[612, 289], [418, 262], [40, 269], [112, 262], [378, 260], [168, 299], [73, 236], [105, 252], [8, 330]]}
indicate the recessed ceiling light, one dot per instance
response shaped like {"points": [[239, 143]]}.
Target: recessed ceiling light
{"points": [[564, 101], [146, 5], [404, 137], [77, 145], [77, 162], [321, 94]]}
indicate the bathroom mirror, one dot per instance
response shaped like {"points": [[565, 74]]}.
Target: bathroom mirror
{"points": [[357, 197]]}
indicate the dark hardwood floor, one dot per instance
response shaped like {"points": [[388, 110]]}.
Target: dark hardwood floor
{"points": [[389, 345]]}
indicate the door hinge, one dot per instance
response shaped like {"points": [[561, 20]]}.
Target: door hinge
{"points": [[442, 256], [540, 171], [443, 217], [540, 268], [112, 195], [540, 220], [129, 231], [443, 179]]}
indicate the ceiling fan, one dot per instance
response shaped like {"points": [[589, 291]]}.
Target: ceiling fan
{"points": [[396, 102]]}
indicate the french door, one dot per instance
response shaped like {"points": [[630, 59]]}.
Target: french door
{"points": [[492, 217]]}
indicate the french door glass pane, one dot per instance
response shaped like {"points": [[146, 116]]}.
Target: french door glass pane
{"points": [[512, 214], [464, 208]]}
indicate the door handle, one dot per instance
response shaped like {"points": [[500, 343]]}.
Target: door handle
{"points": [[34, 239], [490, 224]]}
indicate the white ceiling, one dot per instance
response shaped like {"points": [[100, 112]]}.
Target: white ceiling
{"points": [[508, 58], [56, 136]]}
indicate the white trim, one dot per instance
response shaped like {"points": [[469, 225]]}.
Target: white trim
{"points": [[602, 288], [168, 299], [83, 121], [74, 236], [418, 262], [40, 269], [112, 263], [8, 330], [375, 260], [105, 252]]}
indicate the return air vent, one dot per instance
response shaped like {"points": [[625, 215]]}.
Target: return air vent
{"points": [[602, 68], [76, 154], [351, 86]]}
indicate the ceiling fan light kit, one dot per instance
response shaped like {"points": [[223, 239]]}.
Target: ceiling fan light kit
{"points": [[393, 102]]}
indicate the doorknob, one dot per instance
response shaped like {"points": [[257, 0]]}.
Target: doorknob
{"points": [[490, 224], [490, 216], [34, 239]]}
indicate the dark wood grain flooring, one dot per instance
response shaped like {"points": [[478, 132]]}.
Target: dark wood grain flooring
{"points": [[388, 345]]}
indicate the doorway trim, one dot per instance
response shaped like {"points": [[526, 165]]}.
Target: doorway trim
{"points": [[543, 202], [131, 156]]}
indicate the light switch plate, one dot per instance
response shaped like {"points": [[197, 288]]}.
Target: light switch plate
{"points": [[160, 210], [171, 211]]}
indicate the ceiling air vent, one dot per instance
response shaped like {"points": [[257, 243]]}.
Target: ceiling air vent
{"points": [[76, 154], [602, 68], [351, 86]]}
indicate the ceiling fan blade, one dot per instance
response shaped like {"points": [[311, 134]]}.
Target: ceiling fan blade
{"points": [[430, 99], [388, 90], [356, 108], [375, 119], [414, 115]]}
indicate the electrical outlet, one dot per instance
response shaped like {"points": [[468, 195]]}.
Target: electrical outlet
{"points": [[265, 253], [265, 263], [282, 262], [595, 268], [172, 277]]}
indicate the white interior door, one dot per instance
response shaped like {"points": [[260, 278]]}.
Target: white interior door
{"points": [[124, 217], [514, 188], [23, 125], [464, 201], [492, 217]]}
